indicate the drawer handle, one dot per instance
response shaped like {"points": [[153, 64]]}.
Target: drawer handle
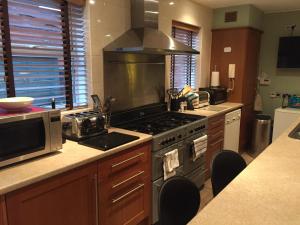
{"points": [[128, 179], [127, 160], [128, 193]]}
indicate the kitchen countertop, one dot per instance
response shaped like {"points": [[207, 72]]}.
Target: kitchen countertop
{"points": [[230, 106], [267, 192], [71, 156]]}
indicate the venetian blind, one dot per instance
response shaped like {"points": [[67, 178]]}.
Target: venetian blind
{"points": [[78, 60], [45, 55], [184, 67], [2, 71]]}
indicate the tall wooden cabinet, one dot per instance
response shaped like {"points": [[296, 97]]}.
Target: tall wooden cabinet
{"points": [[245, 46]]}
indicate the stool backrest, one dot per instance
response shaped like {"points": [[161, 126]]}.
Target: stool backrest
{"points": [[179, 201], [226, 165]]}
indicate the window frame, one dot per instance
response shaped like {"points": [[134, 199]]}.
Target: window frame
{"points": [[67, 52], [193, 31]]}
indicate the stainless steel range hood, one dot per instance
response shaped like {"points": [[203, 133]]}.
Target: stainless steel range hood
{"points": [[144, 37]]}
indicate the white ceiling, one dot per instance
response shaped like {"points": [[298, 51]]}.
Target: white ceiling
{"points": [[264, 5]]}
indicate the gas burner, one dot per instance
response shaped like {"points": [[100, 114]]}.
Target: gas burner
{"points": [[160, 123]]}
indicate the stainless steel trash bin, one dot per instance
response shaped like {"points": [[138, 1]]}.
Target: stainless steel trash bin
{"points": [[261, 136]]}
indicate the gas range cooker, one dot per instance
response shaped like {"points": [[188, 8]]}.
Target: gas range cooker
{"points": [[166, 127], [171, 131]]}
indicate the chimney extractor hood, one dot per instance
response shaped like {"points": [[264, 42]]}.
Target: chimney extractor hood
{"points": [[144, 37]]}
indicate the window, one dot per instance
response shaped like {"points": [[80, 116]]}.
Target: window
{"points": [[2, 70], [47, 52], [184, 67]]}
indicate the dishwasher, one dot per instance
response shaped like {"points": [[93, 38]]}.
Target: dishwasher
{"points": [[232, 130]]}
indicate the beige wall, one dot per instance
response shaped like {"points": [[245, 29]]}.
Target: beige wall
{"points": [[247, 16], [108, 19]]}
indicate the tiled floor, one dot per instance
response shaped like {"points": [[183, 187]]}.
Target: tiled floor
{"points": [[206, 193]]}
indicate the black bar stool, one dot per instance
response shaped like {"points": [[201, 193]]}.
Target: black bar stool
{"points": [[179, 201], [225, 166]]}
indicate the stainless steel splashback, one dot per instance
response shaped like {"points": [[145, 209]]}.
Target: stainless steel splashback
{"points": [[134, 79]]}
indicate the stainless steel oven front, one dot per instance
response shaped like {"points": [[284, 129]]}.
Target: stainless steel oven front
{"points": [[29, 135]]}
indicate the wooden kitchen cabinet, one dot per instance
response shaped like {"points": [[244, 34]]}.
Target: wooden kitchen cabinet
{"points": [[67, 199], [125, 187], [215, 132], [245, 47]]}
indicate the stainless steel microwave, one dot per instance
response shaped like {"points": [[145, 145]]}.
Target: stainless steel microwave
{"points": [[29, 135]]}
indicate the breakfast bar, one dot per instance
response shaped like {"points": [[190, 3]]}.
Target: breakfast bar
{"points": [[266, 192]]}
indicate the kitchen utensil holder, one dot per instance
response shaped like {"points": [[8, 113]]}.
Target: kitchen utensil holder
{"points": [[175, 103]]}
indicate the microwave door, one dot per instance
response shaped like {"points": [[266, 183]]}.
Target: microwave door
{"points": [[23, 137]]}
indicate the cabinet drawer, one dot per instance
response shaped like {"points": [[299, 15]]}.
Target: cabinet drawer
{"points": [[215, 135], [119, 183], [131, 205], [216, 145], [126, 164], [212, 150], [216, 122]]}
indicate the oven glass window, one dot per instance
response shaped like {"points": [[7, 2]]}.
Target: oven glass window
{"points": [[21, 137]]}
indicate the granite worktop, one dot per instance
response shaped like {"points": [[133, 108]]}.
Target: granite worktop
{"points": [[69, 157], [267, 192]]}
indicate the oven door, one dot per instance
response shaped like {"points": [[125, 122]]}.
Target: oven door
{"points": [[158, 160], [24, 137], [188, 164]]}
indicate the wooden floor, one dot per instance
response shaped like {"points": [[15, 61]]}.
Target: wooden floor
{"points": [[206, 193]]}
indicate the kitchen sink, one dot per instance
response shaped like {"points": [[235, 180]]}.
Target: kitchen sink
{"points": [[295, 133], [214, 108]]}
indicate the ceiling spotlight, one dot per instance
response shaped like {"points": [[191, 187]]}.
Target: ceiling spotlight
{"points": [[92, 2], [171, 3]]}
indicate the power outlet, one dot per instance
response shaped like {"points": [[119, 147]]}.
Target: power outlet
{"points": [[275, 95], [265, 81]]}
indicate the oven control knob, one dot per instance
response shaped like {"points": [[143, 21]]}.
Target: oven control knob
{"points": [[173, 139], [179, 136]]}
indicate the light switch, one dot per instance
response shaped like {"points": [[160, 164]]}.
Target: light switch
{"points": [[227, 49]]}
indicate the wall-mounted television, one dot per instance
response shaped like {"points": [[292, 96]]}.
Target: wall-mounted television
{"points": [[289, 52]]}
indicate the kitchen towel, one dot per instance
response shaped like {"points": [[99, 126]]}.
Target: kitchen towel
{"points": [[215, 79], [170, 163], [199, 147]]}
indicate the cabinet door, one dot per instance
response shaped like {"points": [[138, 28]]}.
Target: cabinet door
{"points": [[67, 199], [3, 218], [215, 140], [212, 150], [125, 188], [247, 121]]}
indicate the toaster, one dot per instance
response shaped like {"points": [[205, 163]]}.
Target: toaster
{"points": [[79, 126]]}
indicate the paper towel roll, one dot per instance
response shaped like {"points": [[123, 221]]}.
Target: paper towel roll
{"points": [[215, 79]]}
